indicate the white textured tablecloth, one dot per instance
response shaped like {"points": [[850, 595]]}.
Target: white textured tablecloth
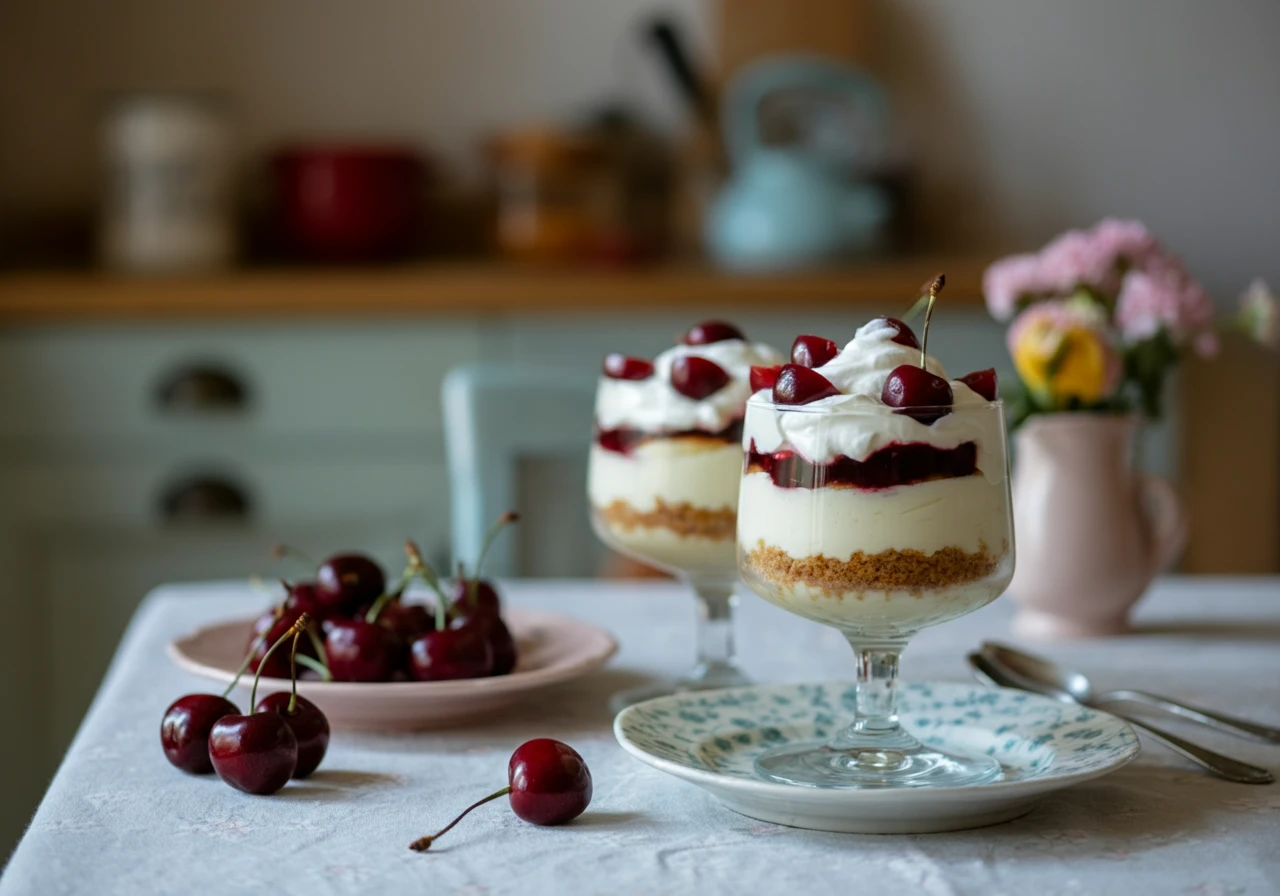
{"points": [[118, 819]]}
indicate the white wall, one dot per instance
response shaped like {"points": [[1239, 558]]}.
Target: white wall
{"points": [[1026, 115]]}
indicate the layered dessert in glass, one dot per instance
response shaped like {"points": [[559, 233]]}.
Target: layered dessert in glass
{"points": [[663, 473], [855, 511], [874, 499]]}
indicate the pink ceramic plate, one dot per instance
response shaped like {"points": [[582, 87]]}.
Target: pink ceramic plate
{"points": [[552, 648]]}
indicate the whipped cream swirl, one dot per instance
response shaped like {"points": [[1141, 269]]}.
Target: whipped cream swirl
{"points": [[856, 424], [653, 404]]}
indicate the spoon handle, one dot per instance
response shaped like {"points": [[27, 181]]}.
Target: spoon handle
{"points": [[1224, 766], [1218, 721]]}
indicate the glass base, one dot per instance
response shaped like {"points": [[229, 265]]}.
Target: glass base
{"points": [[706, 677], [819, 764]]}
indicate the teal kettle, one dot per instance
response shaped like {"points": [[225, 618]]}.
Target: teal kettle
{"points": [[803, 204]]}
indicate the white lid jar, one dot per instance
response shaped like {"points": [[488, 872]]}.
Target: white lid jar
{"points": [[168, 191]]}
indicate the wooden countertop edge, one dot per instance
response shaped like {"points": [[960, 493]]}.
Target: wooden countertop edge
{"points": [[470, 289]]}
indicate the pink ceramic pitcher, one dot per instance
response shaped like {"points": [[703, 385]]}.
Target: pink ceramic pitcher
{"points": [[1091, 531]]}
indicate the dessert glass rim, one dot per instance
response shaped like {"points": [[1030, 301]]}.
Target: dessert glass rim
{"points": [[868, 408]]}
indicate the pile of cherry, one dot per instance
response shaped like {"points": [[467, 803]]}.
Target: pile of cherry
{"points": [[346, 625]]}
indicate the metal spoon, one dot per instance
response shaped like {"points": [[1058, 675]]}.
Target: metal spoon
{"points": [[1079, 687], [991, 671]]}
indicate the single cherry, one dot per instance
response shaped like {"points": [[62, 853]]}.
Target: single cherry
{"points": [[801, 385], [983, 382], [460, 650], [908, 387], [922, 395], [358, 650], [473, 597], [764, 377], [623, 367], [305, 597], [406, 621], [903, 334], [257, 753], [270, 626], [184, 731], [711, 331], [348, 580], [309, 725], [697, 378], [548, 783], [813, 351]]}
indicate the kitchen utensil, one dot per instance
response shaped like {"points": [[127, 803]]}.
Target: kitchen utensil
{"points": [[789, 206], [991, 671], [1076, 684]]}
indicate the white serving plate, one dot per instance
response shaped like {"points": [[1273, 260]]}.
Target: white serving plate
{"points": [[711, 739]]}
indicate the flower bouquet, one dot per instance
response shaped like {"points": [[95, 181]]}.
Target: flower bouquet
{"points": [[1100, 316]]}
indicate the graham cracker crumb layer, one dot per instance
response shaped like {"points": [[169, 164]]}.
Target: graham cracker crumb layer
{"points": [[683, 519], [892, 570]]}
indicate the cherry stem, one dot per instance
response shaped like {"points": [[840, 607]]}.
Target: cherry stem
{"points": [[281, 551], [421, 567], [503, 521], [253, 648], [935, 287], [316, 666], [293, 674], [422, 844], [299, 626], [323, 656]]}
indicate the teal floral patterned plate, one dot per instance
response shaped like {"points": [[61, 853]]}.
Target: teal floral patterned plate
{"points": [[711, 738]]}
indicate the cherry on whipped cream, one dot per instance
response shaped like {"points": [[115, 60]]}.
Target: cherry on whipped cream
{"points": [[764, 377], [801, 385], [618, 366], [909, 387], [983, 382], [711, 331], [813, 351], [902, 333], [697, 378]]}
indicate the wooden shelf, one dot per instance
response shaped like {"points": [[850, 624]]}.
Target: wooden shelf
{"points": [[456, 289]]}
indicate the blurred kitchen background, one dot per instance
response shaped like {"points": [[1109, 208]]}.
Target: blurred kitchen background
{"points": [[242, 244]]}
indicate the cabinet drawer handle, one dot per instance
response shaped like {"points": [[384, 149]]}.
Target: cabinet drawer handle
{"points": [[203, 499], [203, 388]]}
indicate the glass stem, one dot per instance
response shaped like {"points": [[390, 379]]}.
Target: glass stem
{"points": [[875, 738], [877, 701], [715, 629]]}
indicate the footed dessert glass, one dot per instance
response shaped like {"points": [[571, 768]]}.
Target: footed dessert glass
{"points": [[671, 502], [902, 522]]}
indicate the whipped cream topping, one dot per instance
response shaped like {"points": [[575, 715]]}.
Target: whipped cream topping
{"points": [[856, 424], [653, 405]]}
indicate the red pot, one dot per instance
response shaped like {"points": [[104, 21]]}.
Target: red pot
{"points": [[349, 203]]}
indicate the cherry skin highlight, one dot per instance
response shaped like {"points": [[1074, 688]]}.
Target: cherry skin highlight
{"points": [[623, 367], [184, 731], [800, 385]]}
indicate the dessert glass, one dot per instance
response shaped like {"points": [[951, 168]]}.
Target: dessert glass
{"points": [[914, 532], [671, 501]]}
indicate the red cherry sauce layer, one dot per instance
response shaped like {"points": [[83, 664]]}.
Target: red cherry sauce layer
{"points": [[624, 440], [898, 464]]}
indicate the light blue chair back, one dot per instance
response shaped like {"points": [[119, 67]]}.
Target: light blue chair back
{"points": [[495, 416]]}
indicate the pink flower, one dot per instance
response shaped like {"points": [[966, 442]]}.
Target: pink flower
{"points": [[1094, 259], [1162, 296], [1009, 280]]}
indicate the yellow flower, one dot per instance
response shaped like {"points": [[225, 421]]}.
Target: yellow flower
{"points": [[1063, 355]]}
